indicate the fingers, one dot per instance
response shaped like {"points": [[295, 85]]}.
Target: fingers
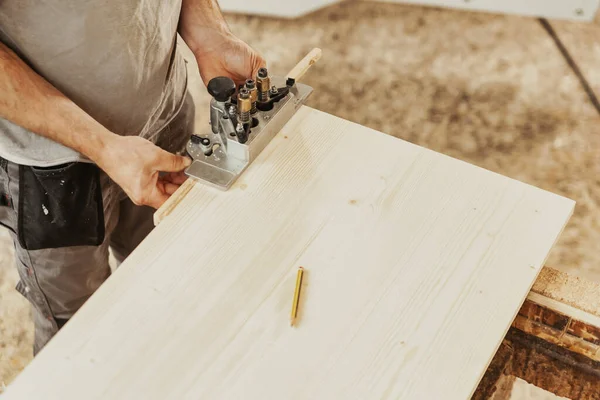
{"points": [[168, 162], [171, 182], [166, 185], [238, 61], [177, 178], [139, 176], [160, 194], [152, 195], [157, 199], [170, 188], [159, 189], [256, 63]]}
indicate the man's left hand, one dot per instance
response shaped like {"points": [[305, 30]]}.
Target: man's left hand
{"points": [[226, 55]]}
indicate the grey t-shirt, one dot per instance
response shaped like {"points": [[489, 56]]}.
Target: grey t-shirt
{"points": [[116, 59]]}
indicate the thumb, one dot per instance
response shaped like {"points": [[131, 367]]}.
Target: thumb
{"points": [[168, 162]]}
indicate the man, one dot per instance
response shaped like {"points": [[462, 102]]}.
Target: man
{"points": [[89, 90]]}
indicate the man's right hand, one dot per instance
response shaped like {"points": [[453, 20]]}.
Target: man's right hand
{"points": [[28, 100], [135, 164]]}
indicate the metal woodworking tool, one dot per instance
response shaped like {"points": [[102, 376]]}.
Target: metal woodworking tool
{"points": [[244, 120]]}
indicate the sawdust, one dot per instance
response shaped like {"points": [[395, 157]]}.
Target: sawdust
{"points": [[491, 90], [569, 289]]}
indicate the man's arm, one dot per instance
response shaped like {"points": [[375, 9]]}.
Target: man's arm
{"points": [[28, 100], [199, 17], [217, 51]]}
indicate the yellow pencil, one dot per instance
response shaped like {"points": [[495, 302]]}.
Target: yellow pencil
{"points": [[296, 296]]}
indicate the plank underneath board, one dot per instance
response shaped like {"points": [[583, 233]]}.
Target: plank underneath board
{"points": [[416, 265]]}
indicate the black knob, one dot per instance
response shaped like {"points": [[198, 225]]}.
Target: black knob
{"points": [[221, 88], [200, 140], [263, 73]]}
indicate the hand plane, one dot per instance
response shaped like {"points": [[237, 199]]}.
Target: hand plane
{"points": [[243, 121]]}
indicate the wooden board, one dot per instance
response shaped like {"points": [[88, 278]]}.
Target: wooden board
{"points": [[416, 265], [578, 10]]}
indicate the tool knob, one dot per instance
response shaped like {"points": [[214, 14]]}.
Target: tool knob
{"points": [[200, 140], [221, 88], [196, 139]]}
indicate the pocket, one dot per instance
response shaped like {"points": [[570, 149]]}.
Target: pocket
{"points": [[60, 206]]}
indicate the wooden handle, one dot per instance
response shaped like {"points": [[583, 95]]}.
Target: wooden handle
{"points": [[299, 70]]}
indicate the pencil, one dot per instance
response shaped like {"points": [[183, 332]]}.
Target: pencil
{"points": [[296, 296]]}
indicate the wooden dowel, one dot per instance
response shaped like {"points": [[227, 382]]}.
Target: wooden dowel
{"points": [[299, 70]]}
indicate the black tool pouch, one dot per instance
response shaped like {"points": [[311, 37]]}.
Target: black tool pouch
{"points": [[60, 206]]}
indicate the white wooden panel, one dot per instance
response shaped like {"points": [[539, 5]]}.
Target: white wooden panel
{"points": [[416, 264]]}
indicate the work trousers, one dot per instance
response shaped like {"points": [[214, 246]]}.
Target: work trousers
{"points": [[63, 220]]}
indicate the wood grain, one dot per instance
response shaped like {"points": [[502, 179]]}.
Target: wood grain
{"points": [[416, 264]]}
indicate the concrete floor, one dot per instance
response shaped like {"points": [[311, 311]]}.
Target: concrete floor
{"points": [[491, 90]]}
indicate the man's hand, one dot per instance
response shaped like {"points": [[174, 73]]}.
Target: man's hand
{"points": [[132, 162], [226, 55], [135, 165], [217, 51]]}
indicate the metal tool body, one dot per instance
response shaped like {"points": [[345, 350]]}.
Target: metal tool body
{"points": [[242, 125]]}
